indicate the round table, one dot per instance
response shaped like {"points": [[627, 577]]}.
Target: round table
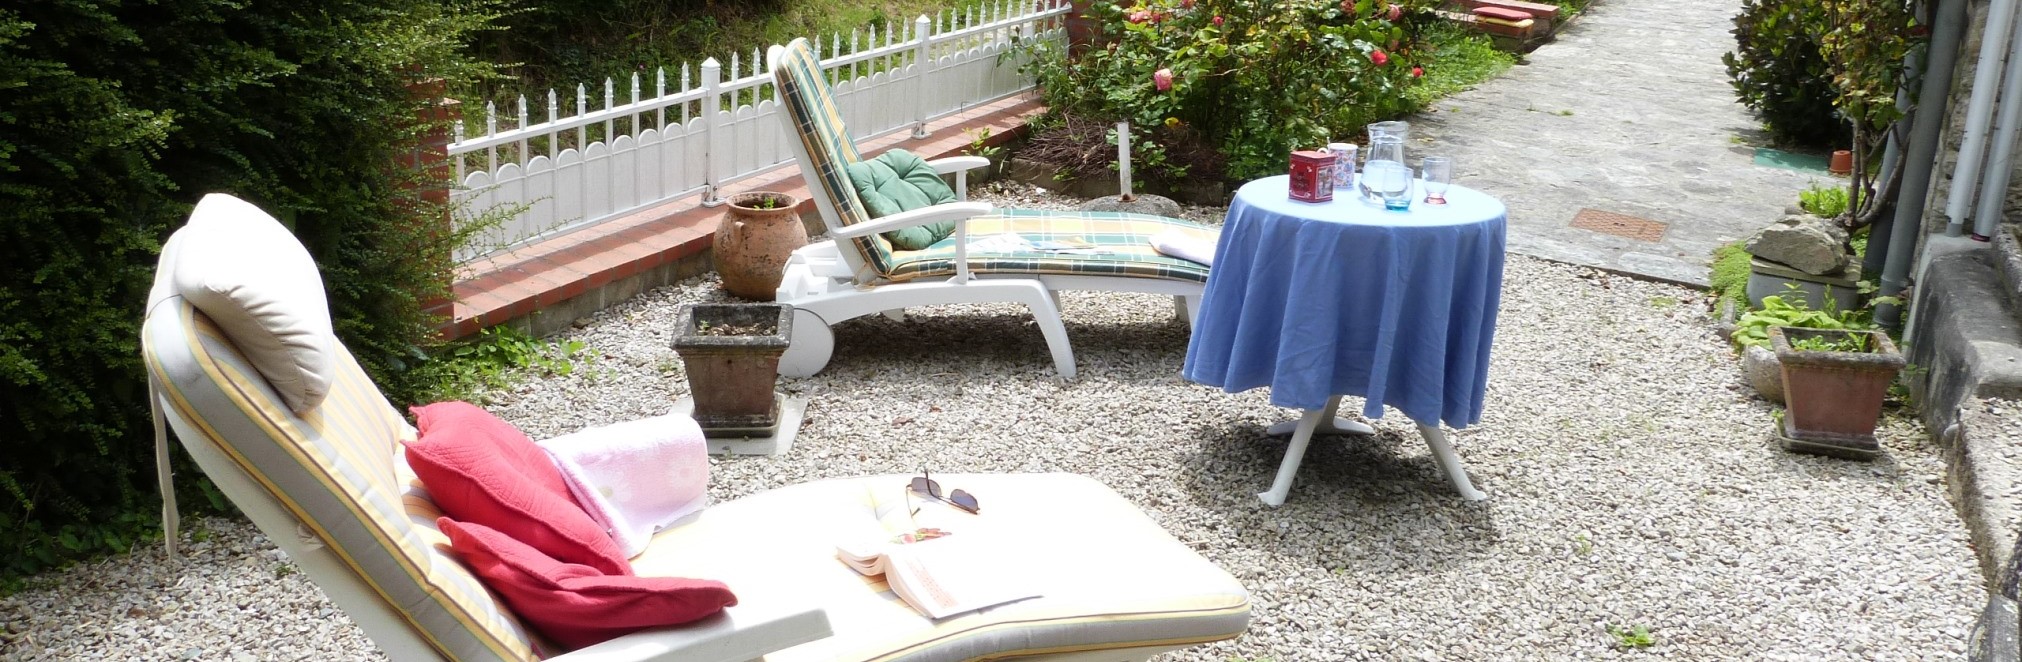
{"points": [[1322, 300]]}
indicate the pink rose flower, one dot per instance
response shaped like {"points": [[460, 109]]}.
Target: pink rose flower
{"points": [[1417, 71], [1218, 21], [1162, 79], [1186, 4], [1379, 57], [1140, 16], [1396, 12]]}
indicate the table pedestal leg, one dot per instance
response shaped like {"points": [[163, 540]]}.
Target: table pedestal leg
{"points": [[1449, 462], [1329, 423], [1288, 468]]}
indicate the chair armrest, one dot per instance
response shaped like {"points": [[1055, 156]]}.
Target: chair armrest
{"points": [[948, 164], [739, 634], [960, 165], [947, 211]]}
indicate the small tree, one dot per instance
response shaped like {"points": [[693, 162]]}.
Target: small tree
{"points": [[1863, 43]]}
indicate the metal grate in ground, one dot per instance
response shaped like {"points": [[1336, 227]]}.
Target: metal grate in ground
{"points": [[1620, 225]]}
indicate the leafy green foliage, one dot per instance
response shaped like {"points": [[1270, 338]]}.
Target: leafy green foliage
{"points": [[1458, 59], [1791, 310], [1730, 273], [493, 360], [1253, 78], [114, 119], [560, 43], [1631, 637], [1778, 71], [1823, 201], [1845, 343]]}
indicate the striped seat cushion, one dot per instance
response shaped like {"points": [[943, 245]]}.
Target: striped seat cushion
{"points": [[337, 469], [1109, 576], [805, 96], [1123, 238]]}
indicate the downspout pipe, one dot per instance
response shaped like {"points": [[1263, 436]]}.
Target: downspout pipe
{"points": [[1892, 157], [1921, 154], [1979, 114], [2000, 162]]}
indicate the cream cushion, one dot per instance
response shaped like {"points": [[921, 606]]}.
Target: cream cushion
{"points": [[1111, 577], [255, 280]]}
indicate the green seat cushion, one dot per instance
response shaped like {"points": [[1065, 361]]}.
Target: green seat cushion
{"points": [[898, 181]]}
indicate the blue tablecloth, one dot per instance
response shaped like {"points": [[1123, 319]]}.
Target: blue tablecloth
{"points": [[1345, 298]]}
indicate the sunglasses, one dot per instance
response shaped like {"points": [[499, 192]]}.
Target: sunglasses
{"points": [[925, 484]]}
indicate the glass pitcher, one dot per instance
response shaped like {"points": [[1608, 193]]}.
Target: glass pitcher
{"points": [[1386, 145]]}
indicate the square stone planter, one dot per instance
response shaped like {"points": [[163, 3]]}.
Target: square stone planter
{"points": [[731, 354], [1834, 397], [1767, 278]]}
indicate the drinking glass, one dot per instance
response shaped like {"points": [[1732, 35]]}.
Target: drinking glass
{"points": [[1391, 181], [1438, 176]]}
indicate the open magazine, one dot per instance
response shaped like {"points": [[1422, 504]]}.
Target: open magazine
{"points": [[939, 564]]}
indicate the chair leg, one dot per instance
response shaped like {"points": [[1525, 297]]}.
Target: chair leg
{"points": [[1046, 313], [809, 350]]}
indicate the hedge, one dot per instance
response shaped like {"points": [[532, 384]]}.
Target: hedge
{"points": [[115, 117]]}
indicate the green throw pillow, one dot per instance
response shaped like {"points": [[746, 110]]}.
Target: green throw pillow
{"points": [[898, 181]]}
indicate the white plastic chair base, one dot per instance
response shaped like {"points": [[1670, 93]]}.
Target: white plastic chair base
{"points": [[1322, 420], [813, 342]]}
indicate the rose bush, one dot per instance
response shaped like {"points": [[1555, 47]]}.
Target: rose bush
{"points": [[1252, 78]]}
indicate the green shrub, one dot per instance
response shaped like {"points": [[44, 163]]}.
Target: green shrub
{"points": [[1825, 201], [1253, 78], [114, 119], [1778, 72]]}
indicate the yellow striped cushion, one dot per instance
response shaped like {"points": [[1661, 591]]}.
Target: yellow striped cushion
{"points": [[336, 469], [1125, 240], [805, 95]]}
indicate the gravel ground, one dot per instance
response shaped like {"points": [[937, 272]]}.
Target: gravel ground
{"points": [[1632, 484]]}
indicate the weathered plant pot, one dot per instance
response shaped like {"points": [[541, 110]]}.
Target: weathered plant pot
{"points": [[753, 242], [1841, 162], [1834, 397], [731, 375]]}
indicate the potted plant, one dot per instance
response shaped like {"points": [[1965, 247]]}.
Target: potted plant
{"points": [[1834, 381], [758, 231], [731, 352]]}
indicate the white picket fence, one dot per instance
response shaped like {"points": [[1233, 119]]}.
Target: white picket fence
{"points": [[571, 171]]}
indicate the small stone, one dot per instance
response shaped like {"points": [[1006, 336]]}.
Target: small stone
{"points": [[1675, 555], [1142, 203]]}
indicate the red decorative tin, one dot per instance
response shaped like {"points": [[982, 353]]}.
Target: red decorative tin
{"points": [[1313, 176]]}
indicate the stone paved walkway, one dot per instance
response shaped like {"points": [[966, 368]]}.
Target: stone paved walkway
{"points": [[1628, 111]]}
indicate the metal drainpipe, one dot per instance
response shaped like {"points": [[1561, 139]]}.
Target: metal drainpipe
{"points": [[1979, 114], [1922, 154], [2000, 164], [1892, 157]]}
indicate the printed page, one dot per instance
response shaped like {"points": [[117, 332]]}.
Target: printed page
{"points": [[956, 574]]}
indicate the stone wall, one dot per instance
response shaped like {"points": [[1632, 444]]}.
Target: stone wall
{"points": [[1954, 130]]}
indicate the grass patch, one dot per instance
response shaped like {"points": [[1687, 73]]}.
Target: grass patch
{"points": [[1460, 59], [1730, 274], [560, 43]]}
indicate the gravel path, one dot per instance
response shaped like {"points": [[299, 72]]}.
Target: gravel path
{"points": [[1631, 482]]}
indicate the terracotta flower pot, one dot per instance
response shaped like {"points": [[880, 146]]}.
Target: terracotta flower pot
{"points": [[753, 240], [1834, 397], [731, 352], [1841, 163]]}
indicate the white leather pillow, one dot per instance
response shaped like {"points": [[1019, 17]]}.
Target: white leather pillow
{"points": [[250, 275]]}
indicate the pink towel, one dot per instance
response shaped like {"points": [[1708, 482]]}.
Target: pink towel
{"points": [[637, 477]]}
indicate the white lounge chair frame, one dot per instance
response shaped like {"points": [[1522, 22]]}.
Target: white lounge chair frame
{"points": [[825, 280]]}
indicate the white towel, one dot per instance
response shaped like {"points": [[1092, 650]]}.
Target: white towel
{"points": [[637, 477], [1185, 245]]}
